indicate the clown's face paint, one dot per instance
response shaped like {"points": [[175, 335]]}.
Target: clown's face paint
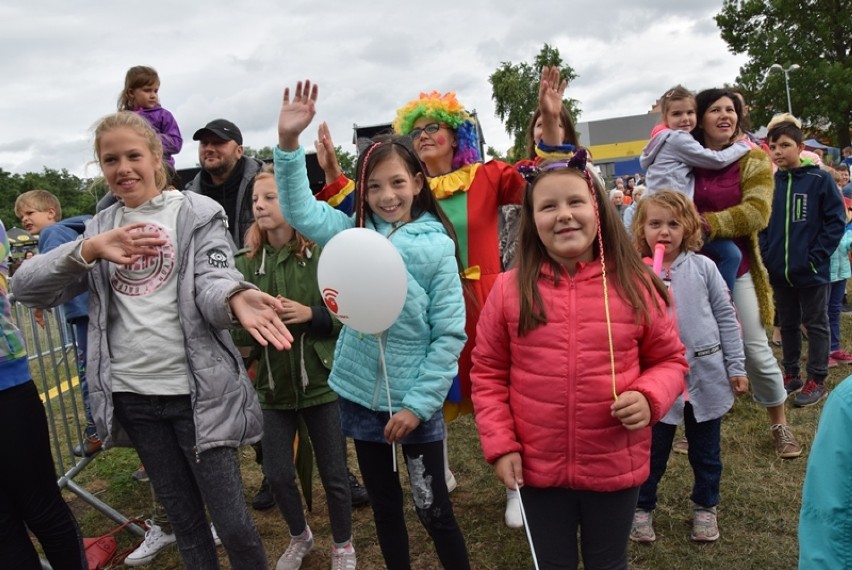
{"points": [[435, 150]]}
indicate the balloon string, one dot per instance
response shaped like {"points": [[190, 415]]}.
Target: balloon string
{"points": [[526, 524], [387, 391]]}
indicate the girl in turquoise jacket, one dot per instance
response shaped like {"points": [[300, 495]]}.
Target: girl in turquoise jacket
{"points": [[294, 384], [421, 348]]}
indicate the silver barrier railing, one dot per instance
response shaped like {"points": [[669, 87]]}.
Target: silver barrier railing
{"points": [[52, 355]]}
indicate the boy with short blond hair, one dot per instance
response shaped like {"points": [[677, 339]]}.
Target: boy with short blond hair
{"points": [[807, 221], [41, 215]]}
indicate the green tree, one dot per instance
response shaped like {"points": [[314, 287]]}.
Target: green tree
{"points": [[73, 193], [10, 185], [493, 153], [347, 161], [514, 89], [264, 153], [815, 35]]}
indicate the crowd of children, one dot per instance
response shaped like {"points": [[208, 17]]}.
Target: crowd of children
{"points": [[153, 283]]}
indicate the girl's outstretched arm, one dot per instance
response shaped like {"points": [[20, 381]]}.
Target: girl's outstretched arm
{"points": [[258, 314], [296, 115], [317, 221], [123, 246], [55, 277]]}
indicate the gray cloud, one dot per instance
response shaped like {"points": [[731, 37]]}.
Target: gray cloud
{"points": [[65, 68]]}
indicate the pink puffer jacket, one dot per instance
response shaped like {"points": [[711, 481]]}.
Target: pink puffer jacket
{"points": [[548, 394]]}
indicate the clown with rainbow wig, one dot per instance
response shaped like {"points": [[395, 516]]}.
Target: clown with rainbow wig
{"points": [[446, 139]]}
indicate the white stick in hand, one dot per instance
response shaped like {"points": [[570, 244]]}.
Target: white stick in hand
{"points": [[526, 525]]}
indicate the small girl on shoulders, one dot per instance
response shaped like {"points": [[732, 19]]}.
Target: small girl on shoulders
{"points": [[141, 95], [421, 348], [672, 153], [709, 329], [576, 357]]}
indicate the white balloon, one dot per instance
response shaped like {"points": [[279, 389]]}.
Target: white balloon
{"points": [[362, 279]]}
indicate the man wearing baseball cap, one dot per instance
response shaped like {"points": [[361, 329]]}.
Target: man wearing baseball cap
{"points": [[226, 175]]}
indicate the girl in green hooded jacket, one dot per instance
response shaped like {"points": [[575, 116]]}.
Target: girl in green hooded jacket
{"points": [[294, 384]]}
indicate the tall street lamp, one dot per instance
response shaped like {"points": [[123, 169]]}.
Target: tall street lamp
{"points": [[787, 71]]}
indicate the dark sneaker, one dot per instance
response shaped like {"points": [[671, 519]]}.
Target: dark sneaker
{"points": [[359, 493], [812, 393], [264, 499], [793, 384], [90, 445]]}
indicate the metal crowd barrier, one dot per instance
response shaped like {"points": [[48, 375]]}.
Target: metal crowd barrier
{"points": [[52, 355]]}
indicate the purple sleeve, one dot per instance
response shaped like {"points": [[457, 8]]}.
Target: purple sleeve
{"points": [[169, 132]]}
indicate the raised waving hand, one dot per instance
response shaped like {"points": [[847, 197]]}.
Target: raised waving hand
{"points": [[296, 114]]}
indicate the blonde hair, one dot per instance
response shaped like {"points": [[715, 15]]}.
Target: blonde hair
{"points": [[137, 124], [783, 118], [255, 237], [137, 77], [681, 208], [39, 200]]}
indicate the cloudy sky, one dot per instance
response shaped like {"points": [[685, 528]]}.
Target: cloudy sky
{"points": [[64, 63]]}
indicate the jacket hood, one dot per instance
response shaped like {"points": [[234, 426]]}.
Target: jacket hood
{"points": [[806, 166], [76, 223]]}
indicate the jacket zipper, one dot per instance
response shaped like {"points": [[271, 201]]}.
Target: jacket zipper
{"points": [[572, 376]]}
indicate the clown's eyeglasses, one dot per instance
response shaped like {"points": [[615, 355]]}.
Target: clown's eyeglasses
{"points": [[429, 129]]}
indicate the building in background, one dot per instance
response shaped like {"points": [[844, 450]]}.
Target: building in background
{"points": [[616, 144]]}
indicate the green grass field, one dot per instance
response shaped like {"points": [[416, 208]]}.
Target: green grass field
{"points": [[758, 513]]}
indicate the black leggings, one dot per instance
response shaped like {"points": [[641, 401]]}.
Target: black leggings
{"points": [[555, 514], [425, 463], [29, 495]]}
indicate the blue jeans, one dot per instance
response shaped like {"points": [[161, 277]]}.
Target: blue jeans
{"points": [[727, 256], [81, 326], [279, 431], [162, 429], [804, 306], [29, 496], [705, 458], [835, 303]]}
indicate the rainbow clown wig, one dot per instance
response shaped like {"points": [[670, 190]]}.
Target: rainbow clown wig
{"points": [[446, 109]]}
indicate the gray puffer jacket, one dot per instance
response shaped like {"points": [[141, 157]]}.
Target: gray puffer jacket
{"points": [[227, 412]]}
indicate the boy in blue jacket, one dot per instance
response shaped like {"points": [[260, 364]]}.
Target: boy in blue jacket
{"points": [[806, 224], [41, 215]]}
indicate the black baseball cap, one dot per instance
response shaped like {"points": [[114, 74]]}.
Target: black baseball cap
{"points": [[225, 130]]}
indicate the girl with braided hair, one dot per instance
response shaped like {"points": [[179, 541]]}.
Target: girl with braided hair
{"points": [[421, 348]]}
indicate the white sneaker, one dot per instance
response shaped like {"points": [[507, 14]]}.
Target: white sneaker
{"points": [[155, 541], [451, 481], [215, 534], [298, 549], [513, 510], [343, 558]]}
